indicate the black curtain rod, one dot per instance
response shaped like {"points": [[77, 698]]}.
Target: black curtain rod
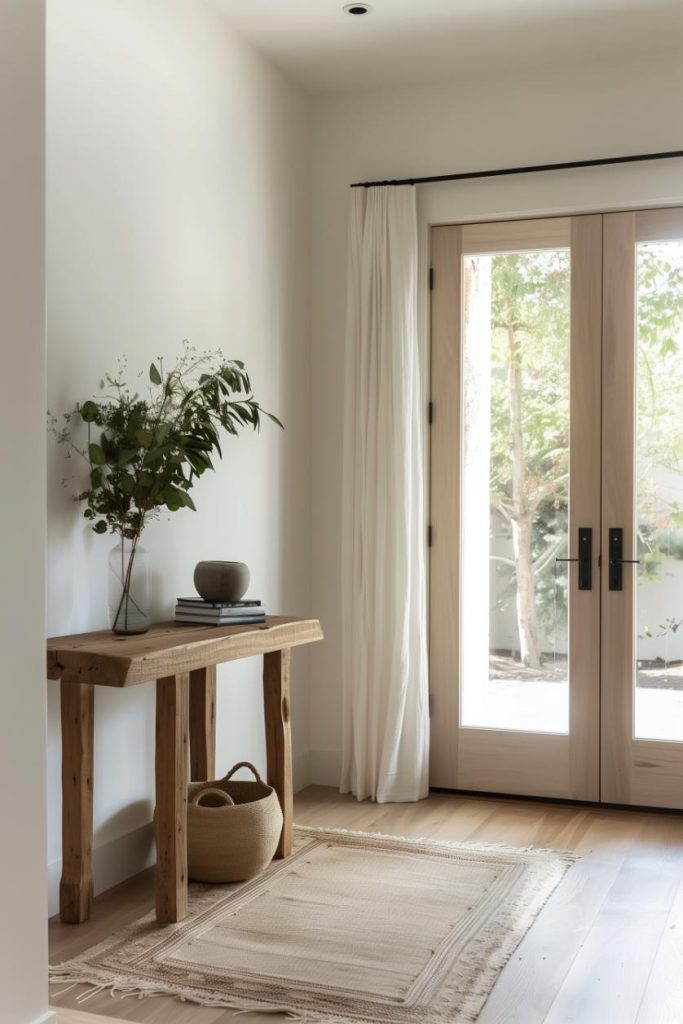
{"points": [[500, 172]]}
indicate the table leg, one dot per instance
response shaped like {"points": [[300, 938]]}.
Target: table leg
{"points": [[279, 739], [203, 724], [171, 796], [78, 719]]}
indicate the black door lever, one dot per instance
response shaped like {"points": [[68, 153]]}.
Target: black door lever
{"points": [[616, 549], [584, 557]]}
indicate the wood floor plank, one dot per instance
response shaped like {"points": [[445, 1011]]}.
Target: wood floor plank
{"points": [[662, 1001], [527, 987], [608, 977], [605, 949], [79, 1017]]}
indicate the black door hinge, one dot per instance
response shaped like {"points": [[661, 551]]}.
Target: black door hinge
{"points": [[429, 535], [430, 413], [431, 279]]}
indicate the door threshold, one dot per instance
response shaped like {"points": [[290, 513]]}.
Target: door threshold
{"points": [[555, 800]]}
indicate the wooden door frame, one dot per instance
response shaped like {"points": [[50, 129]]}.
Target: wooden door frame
{"points": [[534, 764], [633, 771]]}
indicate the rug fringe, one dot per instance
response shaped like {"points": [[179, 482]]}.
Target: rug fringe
{"points": [[58, 995], [144, 990], [452, 844]]}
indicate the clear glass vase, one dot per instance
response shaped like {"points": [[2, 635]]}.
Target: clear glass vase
{"points": [[129, 588]]}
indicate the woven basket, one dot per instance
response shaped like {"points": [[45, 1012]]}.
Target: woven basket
{"points": [[233, 827]]}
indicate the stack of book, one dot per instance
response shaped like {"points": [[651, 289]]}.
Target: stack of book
{"points": [[194, 610]]}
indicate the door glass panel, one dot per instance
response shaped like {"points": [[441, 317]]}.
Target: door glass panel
{"points": [[515, 491], [659, 492]]}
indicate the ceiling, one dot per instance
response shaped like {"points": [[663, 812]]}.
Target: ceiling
{"points": [[409, 42]]}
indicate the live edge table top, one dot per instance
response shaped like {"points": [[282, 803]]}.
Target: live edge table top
{"points": [[168, 649]]}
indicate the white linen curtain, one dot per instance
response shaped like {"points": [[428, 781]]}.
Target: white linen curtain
{"points": [[384, 660]]}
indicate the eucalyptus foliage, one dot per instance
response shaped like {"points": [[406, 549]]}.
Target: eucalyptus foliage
{"points": [[144, 452]]}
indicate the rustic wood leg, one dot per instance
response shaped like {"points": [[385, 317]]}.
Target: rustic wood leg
{"points": [[279, 739], [172, 730], [78, 719], [203, 724]]}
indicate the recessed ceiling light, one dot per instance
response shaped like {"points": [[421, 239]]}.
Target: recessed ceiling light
{"points": [[357, 8]]}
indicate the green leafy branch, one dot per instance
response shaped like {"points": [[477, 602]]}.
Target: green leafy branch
{"points": [[145, 453]]}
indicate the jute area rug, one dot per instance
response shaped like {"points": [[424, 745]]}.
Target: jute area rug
{"points": [[351, 928]]}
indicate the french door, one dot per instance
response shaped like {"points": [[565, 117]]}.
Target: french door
{"points": [[556, 570]]}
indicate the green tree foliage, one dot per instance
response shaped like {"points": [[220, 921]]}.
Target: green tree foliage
{"points": [[659, 464], [530, 424]]}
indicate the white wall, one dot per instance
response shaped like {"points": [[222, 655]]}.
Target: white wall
{"points": [[562, 115], [178, 207], [23, 931]]}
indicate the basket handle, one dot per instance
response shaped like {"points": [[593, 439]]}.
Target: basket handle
{"points": [[213, 791], [236, 768]]}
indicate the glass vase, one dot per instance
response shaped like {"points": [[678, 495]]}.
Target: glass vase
{"points": [[129, 588]]}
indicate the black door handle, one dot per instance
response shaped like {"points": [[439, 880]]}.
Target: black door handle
{"points": [[584, 558], [616, 549]]}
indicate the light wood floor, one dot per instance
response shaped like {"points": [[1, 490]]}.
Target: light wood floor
{"points": [[607, 948], [67, 1016]]}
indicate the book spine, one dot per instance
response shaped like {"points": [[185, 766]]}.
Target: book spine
{"points": [[194, 621], [210, 613]]}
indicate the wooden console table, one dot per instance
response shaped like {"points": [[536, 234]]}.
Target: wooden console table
{"points": [[182, 659]]}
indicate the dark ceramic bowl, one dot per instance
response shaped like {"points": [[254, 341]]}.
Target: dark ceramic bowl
{"points": [[221, 581]]}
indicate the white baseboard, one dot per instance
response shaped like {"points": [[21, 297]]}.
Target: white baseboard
{"points": [[115, 861], [326, 767], [48, 1018]]}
